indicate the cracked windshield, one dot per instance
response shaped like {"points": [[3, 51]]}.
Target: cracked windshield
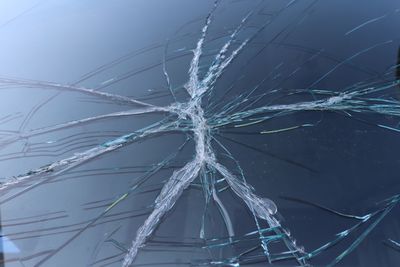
{"points": [[183, 133]]}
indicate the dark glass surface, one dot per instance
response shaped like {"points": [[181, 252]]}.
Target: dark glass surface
{"points": [[199, 133]]}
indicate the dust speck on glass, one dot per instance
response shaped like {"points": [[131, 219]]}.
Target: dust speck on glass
{"points": [[199, 133]]}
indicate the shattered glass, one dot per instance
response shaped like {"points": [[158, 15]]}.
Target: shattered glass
{"points": [[199, 133]]}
